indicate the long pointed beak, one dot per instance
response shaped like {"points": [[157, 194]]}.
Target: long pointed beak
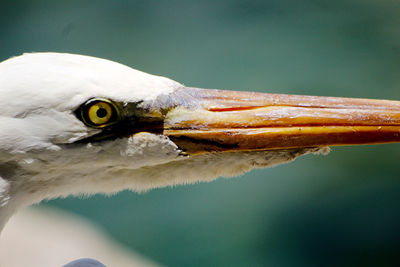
{"points": [[239, 121]]}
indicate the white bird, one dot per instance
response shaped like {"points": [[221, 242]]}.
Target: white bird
{"points": [[73, 124]]}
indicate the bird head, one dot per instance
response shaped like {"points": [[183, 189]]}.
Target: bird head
{"points": [[73, 124]]}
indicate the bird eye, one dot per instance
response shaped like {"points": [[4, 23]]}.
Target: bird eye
{"points": [[99, 112]]}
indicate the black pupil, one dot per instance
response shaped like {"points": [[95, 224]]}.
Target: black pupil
{"points": [[101, 112]]}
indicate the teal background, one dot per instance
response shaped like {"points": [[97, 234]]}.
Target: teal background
{"points": [[335, 210]]}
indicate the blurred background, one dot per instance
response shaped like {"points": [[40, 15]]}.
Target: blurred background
{"points": [[335, 210]]}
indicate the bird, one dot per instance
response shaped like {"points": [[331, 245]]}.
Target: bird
{"points": [[85, 263], [80, 125]]}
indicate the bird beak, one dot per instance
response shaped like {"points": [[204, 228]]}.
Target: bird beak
{"points": [[245, 121]]}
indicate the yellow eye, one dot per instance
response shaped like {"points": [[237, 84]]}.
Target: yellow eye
{"points": [[99, 112]]}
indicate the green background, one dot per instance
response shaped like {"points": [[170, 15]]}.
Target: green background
{"points": [[335, 210]]}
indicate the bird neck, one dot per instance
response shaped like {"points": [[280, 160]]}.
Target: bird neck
{"points": [[24, 181], [16, 189], [13, 199], [6, 212], [8, 203]]}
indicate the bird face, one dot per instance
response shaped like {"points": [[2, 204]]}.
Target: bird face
{"points": [[65, 117]]}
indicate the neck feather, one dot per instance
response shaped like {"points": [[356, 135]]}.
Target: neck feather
{"points": [[21, 186]]}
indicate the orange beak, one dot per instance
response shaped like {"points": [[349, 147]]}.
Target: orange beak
{"points": [[244, 121]]}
